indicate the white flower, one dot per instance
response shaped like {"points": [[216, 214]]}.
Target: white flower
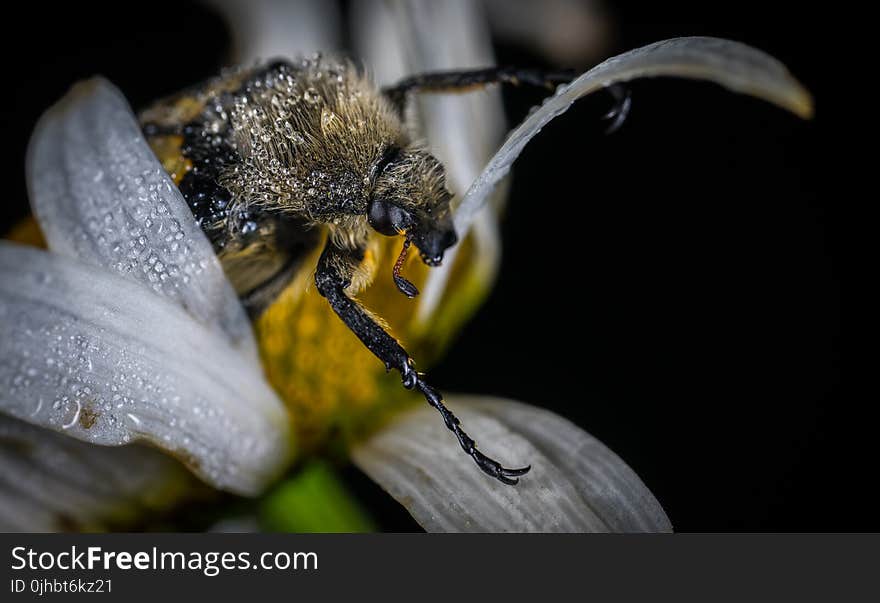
{"points": [[126, 331]]}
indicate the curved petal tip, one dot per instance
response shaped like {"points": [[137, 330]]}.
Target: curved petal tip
{"points": [[576, 483], [734, 65]]}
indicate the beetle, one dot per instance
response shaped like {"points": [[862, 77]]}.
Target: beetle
{"points": [[278, 159]]}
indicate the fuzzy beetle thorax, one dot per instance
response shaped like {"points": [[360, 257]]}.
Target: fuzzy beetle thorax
{"points": [[309, 136]]}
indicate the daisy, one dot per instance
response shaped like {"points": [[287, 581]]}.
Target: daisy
{"points": [[130, 376]]}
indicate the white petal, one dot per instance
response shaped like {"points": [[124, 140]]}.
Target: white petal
{"points": [[267, 29], [576, 483], [378, 42], [731, 64], [413, 36], [567, 32], [103, 359], [101, 196], [463, 130], [49, 482]]}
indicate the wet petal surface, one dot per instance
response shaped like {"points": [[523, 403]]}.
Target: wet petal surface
{"points": [[576, 484], [102, 358], [101, 196]]}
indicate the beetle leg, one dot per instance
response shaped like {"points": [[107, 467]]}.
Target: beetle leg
{"points": [[332, 277], [465, 81], [622, 104]]}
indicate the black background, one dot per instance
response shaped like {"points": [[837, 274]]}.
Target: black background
{"points": [[701, 236]]}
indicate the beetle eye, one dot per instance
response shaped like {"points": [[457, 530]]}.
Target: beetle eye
{"points": [[386, 218]]}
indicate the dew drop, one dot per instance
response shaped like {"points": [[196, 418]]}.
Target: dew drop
{"points": [[329, 121], [311, 96], [71, 414], [292, 135]]}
